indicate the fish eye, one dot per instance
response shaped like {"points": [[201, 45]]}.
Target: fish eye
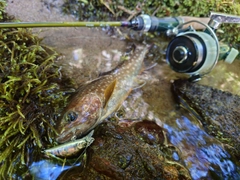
{"points": [[71, 116]]}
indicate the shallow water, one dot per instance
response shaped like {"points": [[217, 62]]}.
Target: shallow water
{"points": [[45, 169], [87, 52], [203, 155]]}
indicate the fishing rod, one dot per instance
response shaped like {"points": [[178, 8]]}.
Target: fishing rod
{"points": [[142, 22], [58, 24], [191, 52]]}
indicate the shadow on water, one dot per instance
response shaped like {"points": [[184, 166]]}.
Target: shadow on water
{"points": [[203, 155]]}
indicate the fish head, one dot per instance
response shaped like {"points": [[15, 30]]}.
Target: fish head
{"points": [[80, 116]]}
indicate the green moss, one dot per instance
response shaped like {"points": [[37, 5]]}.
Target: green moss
{"points": [[31, 97]]}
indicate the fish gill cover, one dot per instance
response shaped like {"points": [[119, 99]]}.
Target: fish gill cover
{"points": [[30, 97]]}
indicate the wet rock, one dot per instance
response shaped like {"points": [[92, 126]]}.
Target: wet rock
{"points": [[218, 111], [137, 152], [150, 132]]}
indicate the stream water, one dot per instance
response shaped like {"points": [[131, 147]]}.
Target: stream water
{"points": [[203, 155]]}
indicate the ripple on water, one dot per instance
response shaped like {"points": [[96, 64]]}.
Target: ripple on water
{"points": [[202, 154], [46, 169]]}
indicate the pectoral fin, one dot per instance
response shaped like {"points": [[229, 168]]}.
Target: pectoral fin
{"points": [[108, 91]]}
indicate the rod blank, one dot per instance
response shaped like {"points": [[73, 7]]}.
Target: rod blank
{"points": [[57, 24]]}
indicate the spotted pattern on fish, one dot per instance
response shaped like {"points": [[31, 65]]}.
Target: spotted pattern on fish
{"points": [[97, 99]]}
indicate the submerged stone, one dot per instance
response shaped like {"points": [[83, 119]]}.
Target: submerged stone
{"points": [[218, 111]]}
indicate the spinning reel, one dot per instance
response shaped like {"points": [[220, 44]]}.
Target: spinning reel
{"points": [[191, 52]]}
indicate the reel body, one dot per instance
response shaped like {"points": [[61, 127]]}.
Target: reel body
{"points": [[196, 52], [193, 53]]}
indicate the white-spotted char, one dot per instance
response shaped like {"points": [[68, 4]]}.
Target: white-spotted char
{"points": [[97, 99]]}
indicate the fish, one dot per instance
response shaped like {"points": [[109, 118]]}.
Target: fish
{"points": [[71, 148], [95, 100]]}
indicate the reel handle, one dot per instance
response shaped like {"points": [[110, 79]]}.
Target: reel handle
{"points": [[195, 25]]}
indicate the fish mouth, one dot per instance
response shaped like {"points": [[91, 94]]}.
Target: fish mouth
{"points": [[72, 134], [63, 137]]}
